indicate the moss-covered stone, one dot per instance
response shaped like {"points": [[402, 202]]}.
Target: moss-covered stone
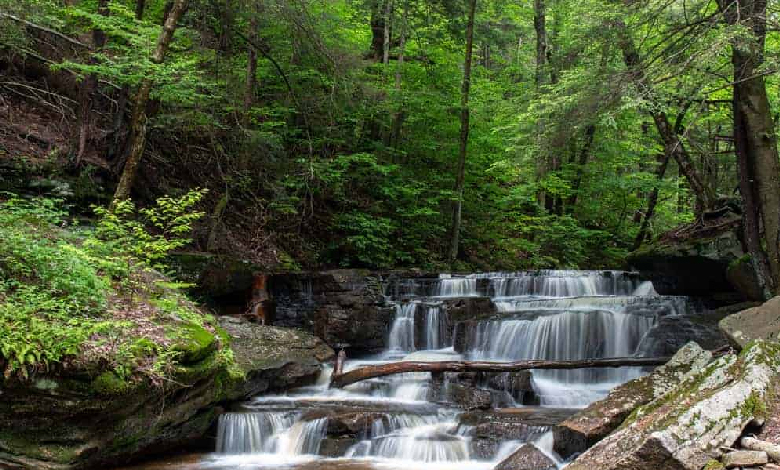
{"points": [[108, 383], [194, 343]]}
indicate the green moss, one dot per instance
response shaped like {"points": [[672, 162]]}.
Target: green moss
{"points": [[714, 465], [193, 342], [108, 383], [16, 444]]}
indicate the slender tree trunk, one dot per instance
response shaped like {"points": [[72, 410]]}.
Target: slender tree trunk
{"points": [[377, 30], [250, 86], [89, 88], [140, 6], [590, 133], [386, 32], [755, 141], [398, 116], [139, 123], [464, 134], [540, 26], [652, 201]]}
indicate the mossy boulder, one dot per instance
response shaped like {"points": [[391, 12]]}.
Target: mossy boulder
{"points": [[273, 358], [686, 427], [594, 423]]}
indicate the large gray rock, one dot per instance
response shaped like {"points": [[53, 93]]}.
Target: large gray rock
{"points": [[274, 358], [595, 422], [527, 457], [687, 426], [744, 458], [761, 322]]}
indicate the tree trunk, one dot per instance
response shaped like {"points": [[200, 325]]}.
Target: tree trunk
{"points": [[140, 6], [250, 86], [386, 32], [755, 141], [139, 121], [398, 116], [673, 146], [590, 133], [464, 135], [89, 87], [377, 31], [652, 202], [371, 372], [540, 26]]}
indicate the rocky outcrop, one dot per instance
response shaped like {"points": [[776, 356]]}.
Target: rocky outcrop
{"points": [[699, 263], [74, 420], [273, 358], [595, 422], [762, 322], [528, 457], [689, 425], [345, 308]]}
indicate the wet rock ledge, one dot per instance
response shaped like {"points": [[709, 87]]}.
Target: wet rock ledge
{"points": [[74, 420]]}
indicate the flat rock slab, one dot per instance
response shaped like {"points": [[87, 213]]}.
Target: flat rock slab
{"points": [[589, 426], [527, 457], [761, 322], [686, 427], [744, 458]]}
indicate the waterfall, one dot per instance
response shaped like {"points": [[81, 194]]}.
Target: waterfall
{"points": [[570, 335], [251, 433], [402, 332], [435, 327], [457, 287], [429, 443]]}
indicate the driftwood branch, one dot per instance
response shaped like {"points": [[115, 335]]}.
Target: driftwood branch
{"points": [[370, 372]]}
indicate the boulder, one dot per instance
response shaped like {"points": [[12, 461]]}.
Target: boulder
{"points": [[686, 427], [274, 358], [528, 457], [761, 322], [595, 422], [744, 458]]}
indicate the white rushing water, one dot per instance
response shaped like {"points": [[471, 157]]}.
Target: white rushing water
{"points": [[410, 420]]}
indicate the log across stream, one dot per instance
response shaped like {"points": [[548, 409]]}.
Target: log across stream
{"points": [[341, 379]]}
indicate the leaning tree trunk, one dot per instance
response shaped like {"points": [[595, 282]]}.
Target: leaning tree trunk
{"points": [[755, 141], [464, 135], [138, 123], [398, 116], [590, 133], [540, 26], [673, 145]]}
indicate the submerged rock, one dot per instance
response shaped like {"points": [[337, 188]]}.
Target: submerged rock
{"points": [[527, 457], [762, 322], [595, 422], [688, 425]]}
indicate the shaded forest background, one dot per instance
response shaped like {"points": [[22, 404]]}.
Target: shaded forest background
{"points": [[329, 132]]}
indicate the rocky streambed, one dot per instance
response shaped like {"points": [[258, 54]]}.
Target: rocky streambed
{"points": [[281, 413]]}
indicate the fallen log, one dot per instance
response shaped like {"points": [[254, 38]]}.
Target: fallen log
{"points": [[772, 450], [371, 372]]}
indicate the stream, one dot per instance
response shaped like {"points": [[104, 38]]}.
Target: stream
{"points": [[462, 421]]}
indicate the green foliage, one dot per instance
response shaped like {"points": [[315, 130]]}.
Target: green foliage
{"points": [[125, 235], [89, 298]]}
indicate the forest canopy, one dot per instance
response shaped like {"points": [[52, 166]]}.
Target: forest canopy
{"points": [[471, 134]]}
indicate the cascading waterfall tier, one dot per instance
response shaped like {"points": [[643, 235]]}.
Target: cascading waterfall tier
{"points": [[554, 315]]}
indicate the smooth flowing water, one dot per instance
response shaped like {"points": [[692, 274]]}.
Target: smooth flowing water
{"points": [[408, 421]]}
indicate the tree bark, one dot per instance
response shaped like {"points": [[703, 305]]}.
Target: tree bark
{"points": [[755, 142], [89, 87], [464, 135], [386, 32], [138, 124], [140, 6], [540, 26], [371, 372]]}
